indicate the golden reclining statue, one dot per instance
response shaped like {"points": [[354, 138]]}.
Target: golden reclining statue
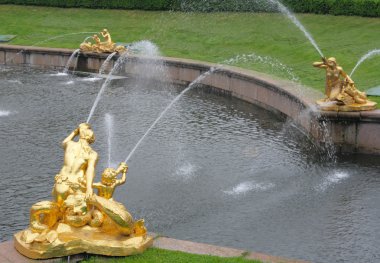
{"points": [[340, 90], [107, 46]]}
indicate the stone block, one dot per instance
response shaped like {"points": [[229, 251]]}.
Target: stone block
{"points": [[188, 74], [196, 248], [272, 259], [219, 80], [368, 139], [243, 88], [37, 59], [14, 58], [2, 57]]}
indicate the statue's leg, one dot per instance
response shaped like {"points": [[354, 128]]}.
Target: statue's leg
{"points": [[116, 212]]}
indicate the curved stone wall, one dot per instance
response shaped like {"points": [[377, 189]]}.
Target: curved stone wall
{"points": [[350, 131]]}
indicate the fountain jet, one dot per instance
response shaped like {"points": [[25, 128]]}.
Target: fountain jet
{"points": [[109, 127], [106, 62], [69, 62], [191, 85], [369, 55], [284, 10]]}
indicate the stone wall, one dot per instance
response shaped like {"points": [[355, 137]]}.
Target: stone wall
{"points": [[350, 131]]}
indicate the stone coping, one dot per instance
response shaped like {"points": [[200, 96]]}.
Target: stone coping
{"points": [[8, 253]]}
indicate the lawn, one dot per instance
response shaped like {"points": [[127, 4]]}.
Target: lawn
{"points": [[213, 37], [155, 255]]}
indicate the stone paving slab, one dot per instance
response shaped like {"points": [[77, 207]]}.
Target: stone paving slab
{"points": [[196, 248], [206, 249], [8, 254]]}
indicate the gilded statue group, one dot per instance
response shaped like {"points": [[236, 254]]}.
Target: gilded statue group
{"points": [[106, 46], [77, 219], [340, 90]]}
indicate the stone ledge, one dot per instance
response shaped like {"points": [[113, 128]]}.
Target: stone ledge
{"points": [[8, 253]]}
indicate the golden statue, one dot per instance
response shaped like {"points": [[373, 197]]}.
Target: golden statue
{"points": [[77, 220], [107, 46], [341, 92]]}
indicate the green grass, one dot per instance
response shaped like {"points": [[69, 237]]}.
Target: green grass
{"points": [[156, 255], [212, 37]]}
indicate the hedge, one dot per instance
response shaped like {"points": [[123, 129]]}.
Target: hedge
{"points": [[369, 8], [104, 4]]}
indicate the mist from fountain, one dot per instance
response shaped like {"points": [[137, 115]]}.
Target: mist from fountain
{"points": [[47, 40], [109, 128], [106, 62], [369, 55], [274, 64], [284, 10], [119, 62], [318, 124], [162, 114], [149, 50]]}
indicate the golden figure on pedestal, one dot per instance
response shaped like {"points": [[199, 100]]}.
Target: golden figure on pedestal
{"points": [[107, 46], [341, 92], [77, 220]]}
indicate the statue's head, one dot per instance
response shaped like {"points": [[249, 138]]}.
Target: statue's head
{"points": [[86, 133], [105, 30], [109, 176], [332, 62]]}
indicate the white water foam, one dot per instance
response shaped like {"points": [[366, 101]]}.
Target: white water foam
{"points": [[186, 170], [14, 81], [248, 186], [92, 79], [275, 65], [332, 179], [4, 113], [59, 74]]}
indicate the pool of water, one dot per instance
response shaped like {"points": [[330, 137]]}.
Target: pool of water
{"points": [[214, 170]]}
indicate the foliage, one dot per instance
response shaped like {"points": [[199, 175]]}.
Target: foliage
{"points": [[213, 37], [368, 8], [99, 4]]}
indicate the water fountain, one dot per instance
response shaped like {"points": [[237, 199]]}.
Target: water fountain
{"points": [[211, 131], [76, 220], [109, 126], [69, 62]]}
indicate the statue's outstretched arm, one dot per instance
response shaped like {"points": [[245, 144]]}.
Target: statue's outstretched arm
{"points": [[319, 65], [70, 137], [123, 168]]}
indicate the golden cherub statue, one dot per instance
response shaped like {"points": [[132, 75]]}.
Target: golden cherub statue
{"points": [[341, 92], [107, 46], [77, 220]]}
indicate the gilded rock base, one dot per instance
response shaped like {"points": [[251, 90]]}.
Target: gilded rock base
{"points": [[73, 240], [334, 106]]}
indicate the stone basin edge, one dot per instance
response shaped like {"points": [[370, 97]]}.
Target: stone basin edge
{"points": [[351, 132]]}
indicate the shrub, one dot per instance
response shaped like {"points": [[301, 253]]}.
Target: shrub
{"points": [[370, 8]]}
